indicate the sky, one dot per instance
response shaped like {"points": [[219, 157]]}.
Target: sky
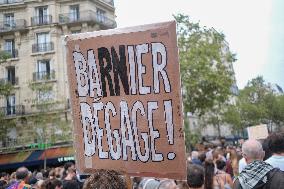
{"points": [[254, 29]]}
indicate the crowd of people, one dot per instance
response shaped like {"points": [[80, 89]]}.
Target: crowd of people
{"points": [[253, 165]]}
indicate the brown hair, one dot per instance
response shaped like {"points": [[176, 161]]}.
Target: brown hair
{"points": [[105, 179]]}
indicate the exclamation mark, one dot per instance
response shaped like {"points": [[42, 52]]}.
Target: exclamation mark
{"points": [[170, 127]]}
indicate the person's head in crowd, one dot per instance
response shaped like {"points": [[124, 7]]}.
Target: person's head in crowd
{"points": [[194, 155], [105, 179], [209, 173], [58, 172], [218, 154], [202, 157], [71, 184], [266, 149], [52, 184], [276, 143], [167, 184], [45, 173], [69, 164], [66, 166], [221, 165], [3, 179], [13, 176], [195, 176], [149, 183], [252, 150], [39, 176], [39, 184], [51, 174], [136, 181], [71, 174], [23, 174]]}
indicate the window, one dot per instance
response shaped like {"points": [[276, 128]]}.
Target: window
{"points": [[43, 42], [11, 76], [43, 70], [74, 13], [9, 47], [11, 105], [101, 15], [42, 16], [45, 95], [9, 20]]}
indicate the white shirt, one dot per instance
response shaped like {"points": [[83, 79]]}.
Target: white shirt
{"points": [[276, 161]]}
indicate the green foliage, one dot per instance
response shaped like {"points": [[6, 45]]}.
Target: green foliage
{"points": [[4, 56], [206, 78], [256, 104], [5, 88], [191, 139]]}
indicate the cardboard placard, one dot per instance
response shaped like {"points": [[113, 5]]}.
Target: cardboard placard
{"points": [[257, 132], [126, 101]]}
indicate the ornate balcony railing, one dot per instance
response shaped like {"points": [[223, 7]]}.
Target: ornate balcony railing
{"points": [[12, 81], [3, 2], [41, 20], [17, 24], [42, 47], [86, 16], [39, 76], [12, 110]]}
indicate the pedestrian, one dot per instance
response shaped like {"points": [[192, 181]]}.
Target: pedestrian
{"points": [[70, 181], [276, 146], [22, 178], [257, 174], [105, 179], [211, 180], [195, 177], [194, 158]]}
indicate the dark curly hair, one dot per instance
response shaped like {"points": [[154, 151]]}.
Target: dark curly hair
{"points": [[105, 179], [276, 142]]}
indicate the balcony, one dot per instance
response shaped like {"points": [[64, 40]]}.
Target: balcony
{"points": [[43, 76], [12, 81], [9, 54], [19, 24], [12, 110], [86, 16], [41, 20], [5, 2], [110, 2], [42, 47]]}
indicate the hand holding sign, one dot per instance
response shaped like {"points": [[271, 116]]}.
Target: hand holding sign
{"points": [[125, 92]]}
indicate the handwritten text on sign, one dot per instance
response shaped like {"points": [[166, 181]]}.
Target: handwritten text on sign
{"points": [[128, 100]]}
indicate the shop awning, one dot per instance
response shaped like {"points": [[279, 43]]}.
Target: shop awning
{"points": [[36, 157]]}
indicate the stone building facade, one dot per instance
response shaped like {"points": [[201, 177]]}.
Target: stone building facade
{"points": [[31, 32]]}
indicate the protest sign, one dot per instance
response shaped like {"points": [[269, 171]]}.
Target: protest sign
{"points": [[257, 132], [126, 101]]}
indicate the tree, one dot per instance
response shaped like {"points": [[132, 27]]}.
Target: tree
{"points": [[256, 104], [205, 72]]}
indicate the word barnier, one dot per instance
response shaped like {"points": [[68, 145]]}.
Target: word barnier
{"points": [[91, 84]]}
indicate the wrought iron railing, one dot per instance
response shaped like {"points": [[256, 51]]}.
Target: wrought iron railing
{"points": [[12, 110], [42, 47], [12, 81], [17, 24], [46, 75], [87, 16], [41, 20]]}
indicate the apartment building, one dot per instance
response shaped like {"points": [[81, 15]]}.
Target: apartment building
{"points": [[31, 33]]}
